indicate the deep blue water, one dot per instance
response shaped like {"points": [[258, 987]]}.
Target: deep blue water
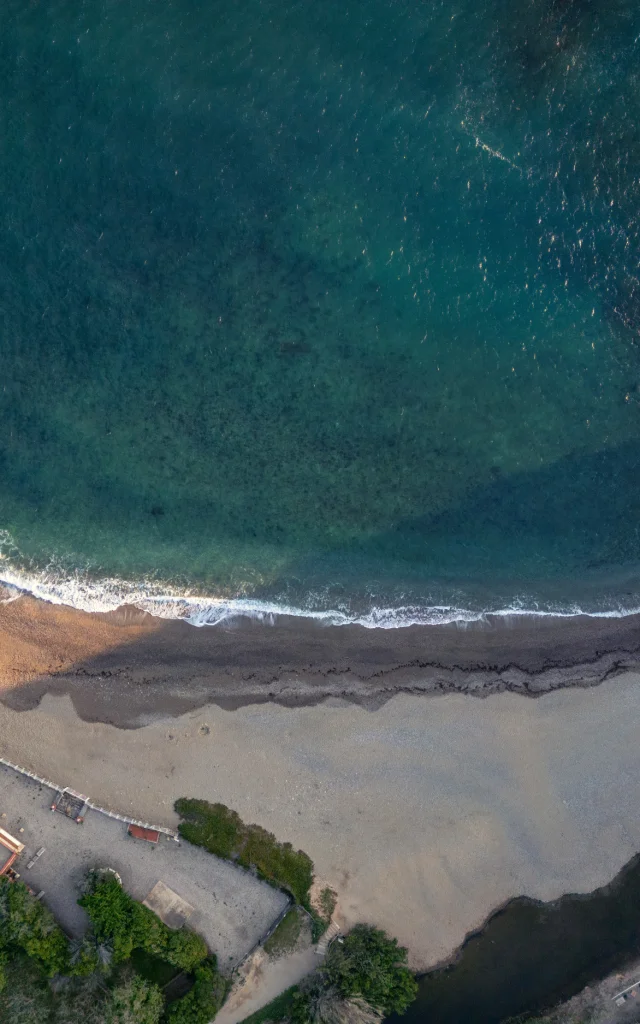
{"points": [[336, 304]]}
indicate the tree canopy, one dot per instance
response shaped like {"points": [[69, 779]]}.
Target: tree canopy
{"points": [[128, 925], [96, 982], [136, 1001], [370, 965], [27, 925]]}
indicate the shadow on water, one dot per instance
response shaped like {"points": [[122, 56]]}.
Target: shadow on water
{"points": [[531, 956]]}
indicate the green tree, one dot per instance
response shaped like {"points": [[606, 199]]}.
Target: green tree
{"points": [[26, 923], [185, 949], [319, 1003], [109, 908], [26, 998], [370, 965], [84, 959], [201, 1004], [135, 1001], [127, 925], [80, 999]]}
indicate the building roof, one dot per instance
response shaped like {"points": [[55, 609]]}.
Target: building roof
{"points": [[11, 844], [139, 832]]}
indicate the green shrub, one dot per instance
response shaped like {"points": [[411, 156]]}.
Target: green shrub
{"points": [[203, 1001], [185, 949], [371, 965], [128, 925], [30, 926], [284, 938], [136, 1001], [110, 910], [221, 831], [328, 900]]}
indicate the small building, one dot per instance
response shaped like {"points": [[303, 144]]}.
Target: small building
{"points": [[73, 805], [139, 832], [13, 847]]}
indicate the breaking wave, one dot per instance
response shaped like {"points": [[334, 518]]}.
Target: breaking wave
{"points": [[78, 590]]}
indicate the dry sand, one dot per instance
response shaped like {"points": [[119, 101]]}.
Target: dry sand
{"points": [[424, 815]]}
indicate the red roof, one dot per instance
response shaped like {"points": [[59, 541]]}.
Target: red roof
{"points": [[139, 832]]}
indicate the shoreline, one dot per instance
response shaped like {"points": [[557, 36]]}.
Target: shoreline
{"points": [[126, 667]]}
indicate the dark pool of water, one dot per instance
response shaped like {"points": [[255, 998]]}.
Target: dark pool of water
{"points": [[532, 955]]}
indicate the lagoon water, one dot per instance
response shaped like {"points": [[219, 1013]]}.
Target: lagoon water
{"points": [[531, 956], [332, 306]]}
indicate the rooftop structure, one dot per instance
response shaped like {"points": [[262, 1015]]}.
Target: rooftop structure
{"points": [[139, 832], [73, 805], [13, 847]]}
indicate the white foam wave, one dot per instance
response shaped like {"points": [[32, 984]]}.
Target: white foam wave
{"points": [[77, 590]]}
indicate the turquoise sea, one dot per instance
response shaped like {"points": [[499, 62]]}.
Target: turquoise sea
{"points": [[332, 306]]}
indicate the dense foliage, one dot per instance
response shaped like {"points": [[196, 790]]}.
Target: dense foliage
{"points": [[317, 1003], [29, 999], [370, 965], [136, 1001], [223, 832], [95, 980], [201, 1004], [128, 925], [279, 1009], [363, 979], [27, 925]]}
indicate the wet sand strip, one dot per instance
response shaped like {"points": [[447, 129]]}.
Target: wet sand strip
{"points": [[127, 667]]}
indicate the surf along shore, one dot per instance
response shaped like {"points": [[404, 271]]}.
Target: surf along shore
{"points": [[425, 815], [126, 667]]}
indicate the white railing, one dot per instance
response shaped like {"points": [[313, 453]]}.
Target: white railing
{"points": [[94, 807]]}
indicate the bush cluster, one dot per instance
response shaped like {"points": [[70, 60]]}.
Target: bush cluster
{"points": [[27, 925], [128, 925], [223, 832], [370, 965], [100, 984], [201, 1004], [363, 979]]}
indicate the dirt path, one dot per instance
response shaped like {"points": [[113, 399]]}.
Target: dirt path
{"points": [[264, 980]]}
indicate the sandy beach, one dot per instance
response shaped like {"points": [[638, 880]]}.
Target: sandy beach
{"points": [[127, 667], [425, 814]]}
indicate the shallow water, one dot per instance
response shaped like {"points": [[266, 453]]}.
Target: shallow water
{"points": [[329, 305], [531, 956]]}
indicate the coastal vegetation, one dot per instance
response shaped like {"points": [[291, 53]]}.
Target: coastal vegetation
{"points": [[222, 831], [279, 1009], [368, 964], [363, 979], [27, 927], [126, 925], [286, 935], [113, 975]]}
